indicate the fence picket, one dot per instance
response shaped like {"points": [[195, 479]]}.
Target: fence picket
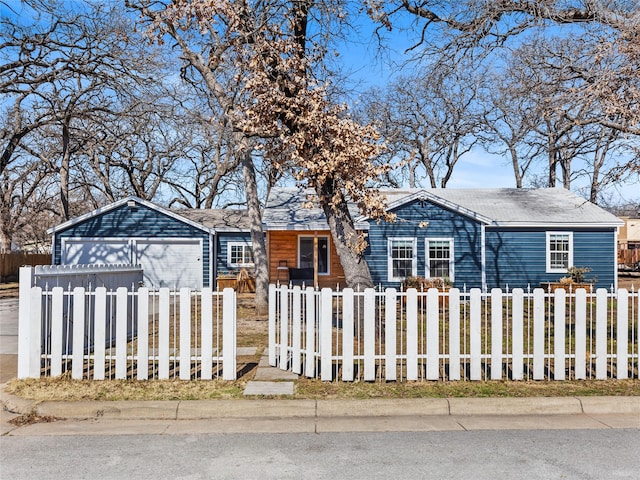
{"points": [[296, 337], [412, 334], [538, 334], [121, 332], [369, 335], [99, 332], [284, 328], [622, 335], [163, 333], [559, 324], [310, 356], [390, 334], [517, 334], [185, 334], [496, 334], [601, 334], [433, 335], [57, 329], [206, 334], [347, 335], [475, 332], [326, 319], [142, 357], [581, 334], [77, 362]]}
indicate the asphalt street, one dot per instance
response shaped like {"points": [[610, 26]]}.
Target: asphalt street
{"points": [[540, 454]]}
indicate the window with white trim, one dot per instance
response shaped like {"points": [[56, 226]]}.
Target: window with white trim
{"points": [[402, 259], [239, 254], [440, 260], [559, 251]]}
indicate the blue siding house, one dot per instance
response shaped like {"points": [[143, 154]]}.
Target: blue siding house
{"points": [[481, 238], [176, 248]]}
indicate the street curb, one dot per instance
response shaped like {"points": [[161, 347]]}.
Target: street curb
{"points": [[285, 408]]}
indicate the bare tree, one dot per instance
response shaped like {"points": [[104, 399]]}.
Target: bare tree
{"points": [[429, 121]]}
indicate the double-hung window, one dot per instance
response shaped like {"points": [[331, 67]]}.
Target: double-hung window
{"points": [[239, 254], [559, 252], [402, 259], [440, 260]]}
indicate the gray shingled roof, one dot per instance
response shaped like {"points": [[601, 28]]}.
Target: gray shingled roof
{"points": [[285, 211], [218, 219], [500, 207]]}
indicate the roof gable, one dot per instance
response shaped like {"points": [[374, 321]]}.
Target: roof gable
{"points": [[126, 201]]}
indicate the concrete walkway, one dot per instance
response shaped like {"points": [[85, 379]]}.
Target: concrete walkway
{"points": [[270, 380]]}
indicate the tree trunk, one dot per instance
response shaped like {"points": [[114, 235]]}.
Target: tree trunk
{"points": [[257, 235], [344, 235]]}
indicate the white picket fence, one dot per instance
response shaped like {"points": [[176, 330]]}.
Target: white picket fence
{"points": [[125, 334], [454, 335]]}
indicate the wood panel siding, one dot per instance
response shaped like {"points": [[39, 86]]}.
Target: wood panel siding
{"points": [[282, 247]]}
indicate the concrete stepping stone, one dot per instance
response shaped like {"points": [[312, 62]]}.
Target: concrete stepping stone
{"points": [[269, 388]]}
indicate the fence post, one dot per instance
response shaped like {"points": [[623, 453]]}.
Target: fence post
{"points": [[475, 334], [24, 322], [229, 370], [272, 324]]}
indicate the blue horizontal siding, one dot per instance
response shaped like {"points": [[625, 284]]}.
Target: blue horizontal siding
{"points": [[222, 241], [517, 257], [442, 223], [139, 222]]}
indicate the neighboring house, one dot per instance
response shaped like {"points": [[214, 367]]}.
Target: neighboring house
{"points": [[176, 248], [474, 238], [629, 241]]}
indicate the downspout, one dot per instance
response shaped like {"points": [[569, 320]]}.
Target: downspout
{"points": [[53, 248], [483, 257], [213, 260], [615, 259]]}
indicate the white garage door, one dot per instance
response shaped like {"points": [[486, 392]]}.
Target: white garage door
{"points": [[83, 251], [170, 263]]}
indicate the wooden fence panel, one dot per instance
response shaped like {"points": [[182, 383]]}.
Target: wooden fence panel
{"points": [[10, 263]]}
